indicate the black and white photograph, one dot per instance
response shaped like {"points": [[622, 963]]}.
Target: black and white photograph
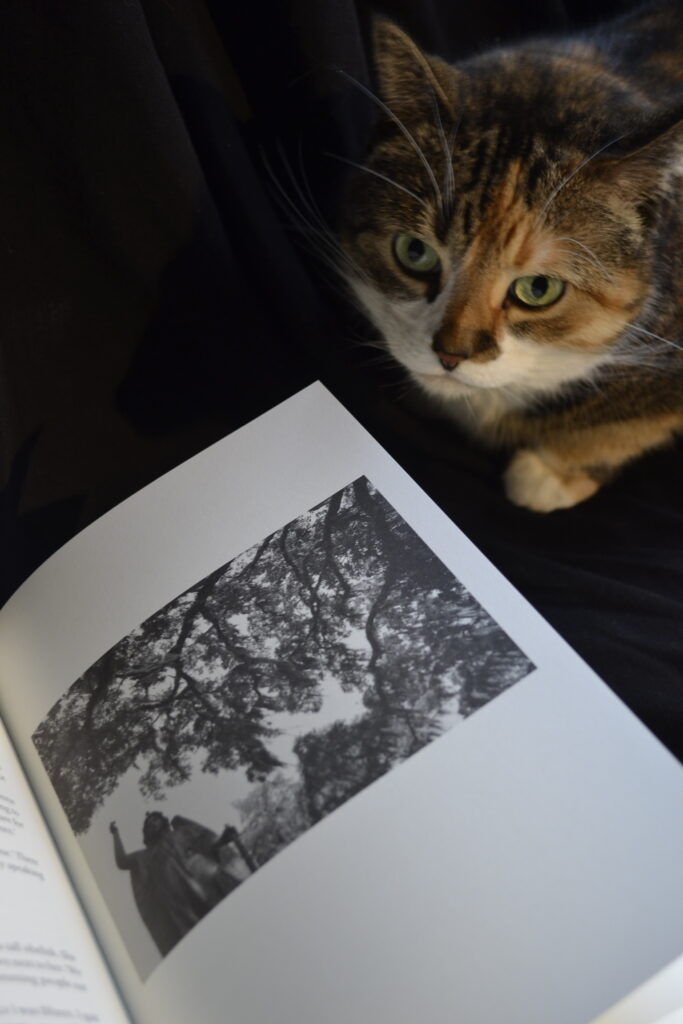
{"points": [[260, 700]]}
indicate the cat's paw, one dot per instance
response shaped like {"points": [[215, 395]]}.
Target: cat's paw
{"points": [[532, 483]]}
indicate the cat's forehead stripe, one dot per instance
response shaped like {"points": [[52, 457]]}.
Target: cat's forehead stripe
{"points": [[508, 227]]}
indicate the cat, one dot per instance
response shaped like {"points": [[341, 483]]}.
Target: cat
{"points": [[516, 237]]}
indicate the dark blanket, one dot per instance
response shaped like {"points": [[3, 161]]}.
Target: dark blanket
{"points": [[157, 293]]}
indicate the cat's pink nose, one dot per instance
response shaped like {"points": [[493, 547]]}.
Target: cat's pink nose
{"points": [[446, 352], [449, 360]]}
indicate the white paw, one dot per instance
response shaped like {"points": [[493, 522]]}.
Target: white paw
{"points": [[531, 483]]}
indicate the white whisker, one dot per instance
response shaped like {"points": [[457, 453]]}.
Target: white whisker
{"points": [[658, 337], [336, 280], [379, 360], [470, 407], [318, 223], [400, 125], [377, 174], [312, 203], [372, 343], [448, 156], [565, 181], [597, 262], [406, 386], [633, 351], [579, 257], [326, 247], [515, 396]]}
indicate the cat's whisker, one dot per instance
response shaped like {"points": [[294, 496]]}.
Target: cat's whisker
{"points": [[658, 337], [448, 157], [375, 344], [345, 292], [379, 360], [453, 136], [632, 350], [400, 388], [470, 408], [579, 257], [583, 265], [312, 246], [288, 204], [337, 280], [621, 368], [316, 221], [593, 383], [311, 243], [372, 343], [589, 254], [378, 174], [325, 247], [626, 364], [312, 202], [402, 128], [514, 396], [572, 174]]}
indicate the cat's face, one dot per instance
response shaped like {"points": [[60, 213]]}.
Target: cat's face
{"points": [[494, 246]]}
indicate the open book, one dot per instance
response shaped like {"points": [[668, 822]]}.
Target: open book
{"points": [[280, 746]]}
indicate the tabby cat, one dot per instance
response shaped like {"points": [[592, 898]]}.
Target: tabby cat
{"points": [[516, 236]]}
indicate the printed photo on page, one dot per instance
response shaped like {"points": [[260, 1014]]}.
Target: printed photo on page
{"points": [[259, 701]]}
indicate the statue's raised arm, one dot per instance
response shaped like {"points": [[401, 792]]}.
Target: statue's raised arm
{"points": [[124, 861]]}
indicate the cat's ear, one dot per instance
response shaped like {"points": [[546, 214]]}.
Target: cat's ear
{"points": [[410, 81]]}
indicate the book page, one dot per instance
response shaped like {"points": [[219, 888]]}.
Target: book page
{"points": [[658, 1001], [50, 966], [313, 760]]}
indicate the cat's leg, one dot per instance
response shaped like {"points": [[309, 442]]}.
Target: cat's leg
{"points": [[572, 466], [535, 482]]}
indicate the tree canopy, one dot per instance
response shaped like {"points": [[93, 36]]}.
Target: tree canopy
{"points": [[345, 595]]}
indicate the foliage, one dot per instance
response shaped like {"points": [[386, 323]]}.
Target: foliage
{"points": [[273, 814], [346, 595]]}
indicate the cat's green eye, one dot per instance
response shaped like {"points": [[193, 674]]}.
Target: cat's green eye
{"points": [[415, 255], [537, 291]]}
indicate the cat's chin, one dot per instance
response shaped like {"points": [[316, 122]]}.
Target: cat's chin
{"points": [[442, 386], [478, 408]]}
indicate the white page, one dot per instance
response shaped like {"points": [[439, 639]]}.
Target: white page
{"points": [[658, 1001], [523, 867], [50, 966]]}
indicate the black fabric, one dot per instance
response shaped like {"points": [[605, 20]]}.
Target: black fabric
{"points": [[156, 293]]}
